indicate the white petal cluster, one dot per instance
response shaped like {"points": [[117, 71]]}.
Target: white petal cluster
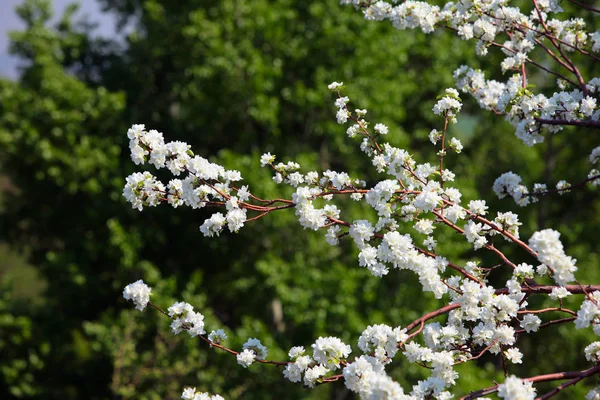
{"points": [[441, 363], [523, 108], [266, 159], [381, 129], [592, 352], [515, 388], [312, 374], [361, 231], [474, 233], [449, 106], [335, 85], [509, 184], [308, 215], [530, 323], [456, 145], [329, 351], [508, 222], [214, 225], [514, 355], [150, 146], [246, 358], [448, 337], [455, 213], [379, 196], [478, 207], [551, 253], [143, 189], [482, 22], [559, 293], [139, 293], [256, 347], [206, 182], [191, 394], [593, 394], [294, 370], [184, 318], [429, 198], [595, 155], [382, 341], [218, 336], [589, 313], [355, 373]]}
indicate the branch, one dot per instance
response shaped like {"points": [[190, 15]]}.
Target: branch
{"points": [[575, 377], [586, 123], [533, 289], [567, 375], [589, 8], [565, 189]]}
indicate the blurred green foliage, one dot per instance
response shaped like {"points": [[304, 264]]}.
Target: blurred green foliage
{"points": [[234, 79]]}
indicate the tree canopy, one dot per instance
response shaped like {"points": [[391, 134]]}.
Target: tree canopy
{"points": [[234, 79]]}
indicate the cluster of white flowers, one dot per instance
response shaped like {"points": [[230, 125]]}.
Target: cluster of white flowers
{"points": [[530, 323], [595, 156], [143, 189], [594, 174], [252, 350], [367, 377], [514, 388], [523, 109], [328, 355], [246, 358], [592, 352], [449, 105], [342, 114], [139, 293], [551, 253], [559, 293], [514, 355], [149, 146], [589, 313], [184, 318], [217, 336], [593, 394], [381, 341], [482, 22], [495, 313], [441, 364], [510, 184], [329, 351], [191, 394], [294, 370], [206, 182]]}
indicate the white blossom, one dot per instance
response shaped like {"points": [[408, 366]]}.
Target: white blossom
{"points": [[139, 293]]}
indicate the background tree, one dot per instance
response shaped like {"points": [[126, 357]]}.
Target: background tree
{"points": [[234, 79]]}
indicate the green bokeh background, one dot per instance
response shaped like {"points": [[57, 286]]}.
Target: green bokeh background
{"points": [[235, 79]]}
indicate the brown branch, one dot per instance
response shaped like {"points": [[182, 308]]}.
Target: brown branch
{"points": [[568, 375], [585, 123], [533, 289], [544, 310], [537, 289], [487, 246], [455, 267], [217, 345], [590, 8], [575, 377], [574, 69], [566, 189], [431, 315]]}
